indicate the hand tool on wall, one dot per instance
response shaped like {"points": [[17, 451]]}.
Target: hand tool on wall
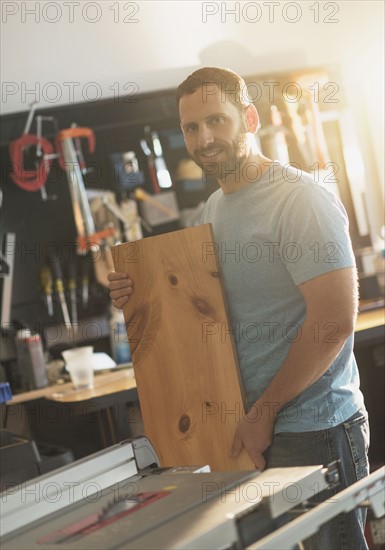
{"points": [[45, 157], [152, 148], [31, 114], [46, 283], [31, 180], [70, 162], [151, 162], [85, 227], [85, 282], [162, 173], [7, 262], [79, 152], [59, 288], [72, 289]]}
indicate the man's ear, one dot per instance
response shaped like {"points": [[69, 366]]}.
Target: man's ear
{"points": [[252, 119]]}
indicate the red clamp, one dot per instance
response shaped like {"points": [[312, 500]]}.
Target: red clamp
{"points": [[74, 133], [30, 180], [84, 243]]}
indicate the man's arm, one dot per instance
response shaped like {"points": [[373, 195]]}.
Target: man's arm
{"points": [[331, 309]]}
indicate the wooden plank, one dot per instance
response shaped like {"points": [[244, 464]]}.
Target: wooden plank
{"points": [[185, 364]]}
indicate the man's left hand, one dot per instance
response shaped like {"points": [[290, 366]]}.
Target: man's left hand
{"points": [[255, 434]]}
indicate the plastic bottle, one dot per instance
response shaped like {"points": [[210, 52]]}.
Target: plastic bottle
{"points": [[120, 347], [30, 357]]}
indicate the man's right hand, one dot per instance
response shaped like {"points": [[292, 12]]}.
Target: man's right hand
{"points": [[120, 287]]}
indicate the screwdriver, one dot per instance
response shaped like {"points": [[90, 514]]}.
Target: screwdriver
{"points": [[85, 281], [59, 287], [46, 283], [162, 174], [72, 289]]}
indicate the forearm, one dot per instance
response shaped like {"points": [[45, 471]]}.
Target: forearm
{"points": [[316, 347]]}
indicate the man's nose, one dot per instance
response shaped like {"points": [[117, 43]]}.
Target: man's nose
{"points": [[205, 136]]}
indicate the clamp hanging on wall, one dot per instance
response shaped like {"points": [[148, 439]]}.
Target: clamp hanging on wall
{"points": [[26, 179], [30, 180], [66, 142]]}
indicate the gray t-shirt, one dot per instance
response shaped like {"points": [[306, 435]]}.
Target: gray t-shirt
{"points": [[271, 236]]}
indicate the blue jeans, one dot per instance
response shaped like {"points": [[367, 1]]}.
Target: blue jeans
{"points": [[348, 442]]}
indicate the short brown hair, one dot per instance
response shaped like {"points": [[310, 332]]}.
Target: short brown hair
{"points": [[231, 85]]}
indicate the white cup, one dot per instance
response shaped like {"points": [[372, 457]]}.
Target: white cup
{"points": [[79, 365]]}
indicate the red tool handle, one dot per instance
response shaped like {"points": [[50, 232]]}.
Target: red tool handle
{"points": [[153, 175]]}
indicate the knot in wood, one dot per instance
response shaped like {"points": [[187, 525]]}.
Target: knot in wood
{"points": [[173, 279], [184, 423], [202, 306]]}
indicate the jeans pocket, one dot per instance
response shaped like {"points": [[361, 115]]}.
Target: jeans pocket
{"points": [[358, 436]]}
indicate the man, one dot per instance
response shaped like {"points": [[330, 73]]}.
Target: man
{"points": [[289, 274]]}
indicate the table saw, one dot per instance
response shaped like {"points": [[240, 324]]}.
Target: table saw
{"points": [[120, 498]]}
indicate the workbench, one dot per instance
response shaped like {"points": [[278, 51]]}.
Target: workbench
{"points": [[369, 325], [105, 384], [83, 420]]}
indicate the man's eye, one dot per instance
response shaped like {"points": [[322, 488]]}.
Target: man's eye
{"points": [[218, 120], [190, 128]]}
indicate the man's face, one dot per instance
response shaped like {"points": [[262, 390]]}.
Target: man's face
{"points": [[214, 131]]}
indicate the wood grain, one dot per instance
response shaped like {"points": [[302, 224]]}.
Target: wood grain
{"points": [[185, 363]]}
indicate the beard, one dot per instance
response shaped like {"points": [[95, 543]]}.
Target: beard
{"points": [[233, 154]]}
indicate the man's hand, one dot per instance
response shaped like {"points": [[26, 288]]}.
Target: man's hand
{"points": [[255, 434], [120, 287]]}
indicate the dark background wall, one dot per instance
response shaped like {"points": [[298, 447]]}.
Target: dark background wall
{"points": [[44, 226]]}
